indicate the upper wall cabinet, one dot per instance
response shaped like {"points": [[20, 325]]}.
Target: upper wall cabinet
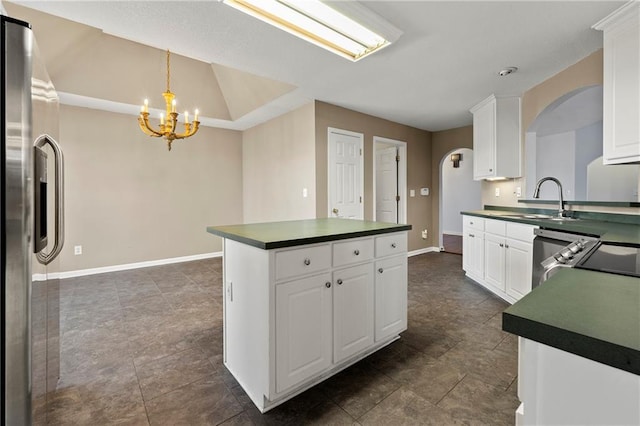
{"points": [[496, 138], [621, 85]]}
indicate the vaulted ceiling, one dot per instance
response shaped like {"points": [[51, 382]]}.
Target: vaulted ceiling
{"points": [[242, 71]]}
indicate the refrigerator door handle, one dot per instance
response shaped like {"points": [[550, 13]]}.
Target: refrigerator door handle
{"points": [[58, 242]]}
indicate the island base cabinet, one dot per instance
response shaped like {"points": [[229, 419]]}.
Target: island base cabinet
{"points": [[391, 297], [296, 316], [303, 330], [560, 388]]}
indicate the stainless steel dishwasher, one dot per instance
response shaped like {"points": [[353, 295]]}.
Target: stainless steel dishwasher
{"points": [[554, 249]]}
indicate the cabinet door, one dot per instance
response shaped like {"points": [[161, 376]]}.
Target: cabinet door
{"points": [[303, 329], [484, 141], [352, 310], [494, 260], [475, 254], [390, 297], [621, 87], [519, 264]]}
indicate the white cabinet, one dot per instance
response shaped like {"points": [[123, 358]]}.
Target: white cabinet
{"points": [[391, 297], [496, 138], [494, 261], [296, 316], [303, 319], [518, 267], [506, 254], [473, 247], [621, 114], [353, 310]]}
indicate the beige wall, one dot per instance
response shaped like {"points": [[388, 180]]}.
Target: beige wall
{"points": [[444, 142], [130, 200], [419, 212], [278, 161]]}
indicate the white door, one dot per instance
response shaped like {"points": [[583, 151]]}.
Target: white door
{"points": [[345, 174], [391, 296], [494, 261], [352, 310], [303, 324], [387, 185], [518, 261]]}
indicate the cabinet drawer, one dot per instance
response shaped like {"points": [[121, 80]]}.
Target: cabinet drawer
{"points": [[473, 222], [391, 244], [519, 231], [352, 251], [302, 261], [496, 227]]}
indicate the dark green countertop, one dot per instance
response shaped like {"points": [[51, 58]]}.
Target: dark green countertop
{"points": [[589, 224], [591, 314], [271, 235]]}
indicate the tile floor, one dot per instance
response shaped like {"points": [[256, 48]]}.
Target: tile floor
{"points": [[145, 347]]}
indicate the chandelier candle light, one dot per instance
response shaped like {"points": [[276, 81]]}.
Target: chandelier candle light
{"points": [[167, 128]]}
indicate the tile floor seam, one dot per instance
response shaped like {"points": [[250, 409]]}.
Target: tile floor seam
{"points": [[144, 403], [450, 390]]}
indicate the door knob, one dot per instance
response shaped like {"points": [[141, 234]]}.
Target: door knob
{"points": [[335, 211], [327, 284], [339, 282]]}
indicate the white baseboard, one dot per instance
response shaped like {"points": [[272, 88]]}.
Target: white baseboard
{"points": [[124, 267], [422, 251]]}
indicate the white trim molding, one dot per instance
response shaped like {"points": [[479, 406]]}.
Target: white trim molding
{"points": [[423, 251], [124, 267]]}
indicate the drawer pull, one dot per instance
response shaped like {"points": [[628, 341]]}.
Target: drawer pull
{"points": [[471, 235], [394, 245], [307, 261], [501, 245], [381, 270], [339, 282], [506, 246], [356, 252], [327, 284], [470, 223]]}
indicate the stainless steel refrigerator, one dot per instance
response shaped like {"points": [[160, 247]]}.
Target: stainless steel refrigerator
{"points": [[31, 228]]}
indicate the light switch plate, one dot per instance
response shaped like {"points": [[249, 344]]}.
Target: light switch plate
{"points": [[412, 193], [497, 192]]}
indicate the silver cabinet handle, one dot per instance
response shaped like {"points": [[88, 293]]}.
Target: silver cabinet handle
{"points": [[393, 245], [327, 284], [471, 235], [381, 270], [339, 282], [506, 246], [356, 252], [501, 245], [307, 261], [470, 223], [58, 242]]}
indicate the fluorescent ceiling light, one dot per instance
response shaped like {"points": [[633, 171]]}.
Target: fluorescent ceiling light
{"points": [[339, 31]]}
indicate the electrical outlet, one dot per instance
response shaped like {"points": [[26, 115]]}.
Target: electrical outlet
{"points": [[424, 234], [305, 193], [77, 250], [497, 192], [518, 192]]}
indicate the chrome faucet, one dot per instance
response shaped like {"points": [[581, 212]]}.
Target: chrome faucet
{"points": [[536, 193]]}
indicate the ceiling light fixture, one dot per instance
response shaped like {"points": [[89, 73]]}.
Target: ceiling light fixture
{"points": [[344, 28], [167, 128]]}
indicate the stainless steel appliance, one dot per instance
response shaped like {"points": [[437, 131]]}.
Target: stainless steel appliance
{"points": [[553, 250], [613, 258], [29, 309]]}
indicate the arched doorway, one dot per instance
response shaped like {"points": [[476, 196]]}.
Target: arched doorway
{"points": [[458, 192]]}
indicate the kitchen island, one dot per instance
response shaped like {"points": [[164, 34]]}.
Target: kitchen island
{"points": [[305, 299], [579, 349]]}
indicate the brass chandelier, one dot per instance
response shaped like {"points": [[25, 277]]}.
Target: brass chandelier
{"points": [[167, 129]]}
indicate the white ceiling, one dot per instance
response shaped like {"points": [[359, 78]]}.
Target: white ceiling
{"points": [[445, 62]]}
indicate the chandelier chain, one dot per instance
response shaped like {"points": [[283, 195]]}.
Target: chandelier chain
{"points": [[168, 71]]}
